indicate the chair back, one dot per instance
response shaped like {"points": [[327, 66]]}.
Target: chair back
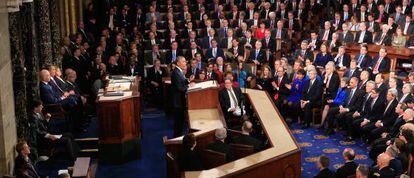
{"points": [[240, 150], [410, 165], [172, 166], [213, 159]]}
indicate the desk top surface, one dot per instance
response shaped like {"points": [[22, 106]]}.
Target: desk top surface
{"points": [[278, 133], [392, 50]]}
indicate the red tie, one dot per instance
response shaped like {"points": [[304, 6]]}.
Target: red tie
{"points": [[377, 64]]}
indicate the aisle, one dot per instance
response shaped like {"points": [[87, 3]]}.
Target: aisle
{"points": [[152, 163], [313, 143]]}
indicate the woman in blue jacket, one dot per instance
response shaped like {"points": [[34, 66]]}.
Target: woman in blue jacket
{"points": [[293, 101], [339, 98]]}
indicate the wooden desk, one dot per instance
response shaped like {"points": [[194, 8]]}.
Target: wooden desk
{"points": [[282, 159], [394, 53], [119, 119]]}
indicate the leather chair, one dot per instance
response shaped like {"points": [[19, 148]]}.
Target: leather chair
{"points": [[172, 166], [241, 150], [213, 159]]}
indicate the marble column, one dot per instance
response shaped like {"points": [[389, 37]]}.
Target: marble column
{"points": [[8, 134], [54, 28], [30, 50], [44, 32], [19, 77]]}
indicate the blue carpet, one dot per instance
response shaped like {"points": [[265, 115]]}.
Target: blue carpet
{"points": [[152, 163], [313, 144]]}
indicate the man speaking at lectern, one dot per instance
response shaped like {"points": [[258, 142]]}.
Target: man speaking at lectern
{"points": [[179, 86]]}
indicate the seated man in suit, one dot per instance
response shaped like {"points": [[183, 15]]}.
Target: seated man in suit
{"points": [[381, 63], [246, 139], [323, 166], [383, 37], [303, 53], [49, 96], [150, 57], [219, 144], [258, 55], [280, 88], [214, 52], [231, 99], [155, 75], [383, 169], [193, 70], [342, 59], [353, 70], [363, 36], [395, 162], [41, 136], [374, 110], [363, 59], [346, 36], [349, 168], [23, 166], [351, 103], [386, 118], [311, 97]]}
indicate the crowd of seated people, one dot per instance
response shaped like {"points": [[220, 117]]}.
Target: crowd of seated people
{"points": [[296, 51]]}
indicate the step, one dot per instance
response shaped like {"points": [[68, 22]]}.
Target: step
{"points": [[87, 139]]}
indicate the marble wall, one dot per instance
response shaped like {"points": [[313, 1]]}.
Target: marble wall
{"points": [[7, 114]]}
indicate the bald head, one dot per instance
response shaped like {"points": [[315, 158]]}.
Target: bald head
{"points": [[383, 160], [44, 75]]}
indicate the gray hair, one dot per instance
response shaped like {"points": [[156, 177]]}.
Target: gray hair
{"points": [[393, 92], [392, 151], [221, 133], [363, 169]]}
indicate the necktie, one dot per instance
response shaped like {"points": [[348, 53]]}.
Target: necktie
{"points": [[174, 56], [373, 102], [377, 65], [406, 28], [325, 36], [361, 37], [388, 105], [310, 85], [257, 54], [233, 97], [278, 34], [350, 96], [351, 73], [360, 60]]}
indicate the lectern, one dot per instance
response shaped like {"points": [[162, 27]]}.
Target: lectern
{"points": [[119, 118]]}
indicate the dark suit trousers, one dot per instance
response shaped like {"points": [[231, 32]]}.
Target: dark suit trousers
{"points": [[378, 146], [307, 112], [356, 128], [179, 117]]}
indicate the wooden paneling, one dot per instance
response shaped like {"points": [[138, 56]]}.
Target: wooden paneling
{"points": [[206, 99]]}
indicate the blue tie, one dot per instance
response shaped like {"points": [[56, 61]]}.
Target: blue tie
{"points": [[173, 56], [257, 54]]}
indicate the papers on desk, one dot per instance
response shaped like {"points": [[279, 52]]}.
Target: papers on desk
{"points": [[203, 85], [119, 86], [114, 94]]}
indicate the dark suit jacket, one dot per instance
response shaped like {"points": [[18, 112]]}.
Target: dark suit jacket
{"points": [[225, 102], [169, 55], [308, 54], [410, 29], [346, 60], [388, 116], [356, 100], [179, 86], [47, 95], [221, 147], [39, 127], [189, 54], [209, 53], [322, 32], [348, 169], [248, 140], [315, 93], [284, 34], [205, 43], [367, 37], [325, 173], [384, 172], [24, 169], [375, 112], [271, 45], [295, 27], [365, 61], [384, 66], [349, 37], [190, 71], [261, 57], [283, 91], [332, 89], [386, 41], [156, 76], [355, 73]]}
